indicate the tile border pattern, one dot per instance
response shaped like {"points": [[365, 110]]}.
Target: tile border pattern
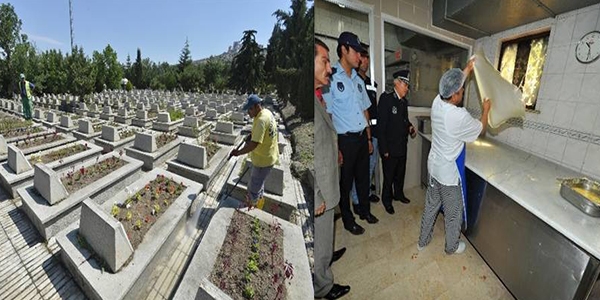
{"points": [[539, 126]]}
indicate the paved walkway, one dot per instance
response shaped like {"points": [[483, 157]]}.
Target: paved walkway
{"points": [[31, 269]]}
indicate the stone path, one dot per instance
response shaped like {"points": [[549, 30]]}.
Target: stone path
{"points": [[30, 268]]}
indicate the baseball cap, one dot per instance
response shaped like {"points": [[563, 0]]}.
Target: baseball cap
{"points": [[350, 39], [403, 75], [22, 75], [365, 51], [252, 99]]}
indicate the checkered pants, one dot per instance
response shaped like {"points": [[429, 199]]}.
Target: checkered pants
{"points": [[451, 197]]}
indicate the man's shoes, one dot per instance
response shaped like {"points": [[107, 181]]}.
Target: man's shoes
{"points": [[390, 209], [337, 255], [370, 218], [402, 199], [373, 198], [461, 247], [355, 229], [356, 209], [337, 291]]}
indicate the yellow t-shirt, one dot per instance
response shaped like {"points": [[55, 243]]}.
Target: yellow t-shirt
{"points": [[264, 132]]}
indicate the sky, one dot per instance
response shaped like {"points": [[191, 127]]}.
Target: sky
{"points": [[158, 27]]}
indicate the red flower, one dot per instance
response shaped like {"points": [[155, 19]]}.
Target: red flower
{"points": [[82, 170]]}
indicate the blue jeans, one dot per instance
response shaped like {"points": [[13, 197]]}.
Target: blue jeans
{"points": [[372, 163], [256, 186]]}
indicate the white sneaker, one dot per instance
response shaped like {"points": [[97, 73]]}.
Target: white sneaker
{"points": [[419, 248], [461, 247]]}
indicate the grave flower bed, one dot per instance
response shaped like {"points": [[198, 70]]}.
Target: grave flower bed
{"points": [[123, 134], [29, 143], [97, 127], [140, 211], [77, 179], [164, 139], [176, 114], [152, 114], [58, 154], [250, 264], [211, 149], [7, 125], [22, 131]]}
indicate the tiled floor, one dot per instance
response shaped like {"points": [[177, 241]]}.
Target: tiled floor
{"points": [[384, 263]]}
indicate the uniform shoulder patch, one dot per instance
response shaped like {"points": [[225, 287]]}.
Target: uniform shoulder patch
{"points": [[359, 87], [340, 86]]}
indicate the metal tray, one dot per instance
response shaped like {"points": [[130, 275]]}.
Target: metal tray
{"points": [[567, 191]]}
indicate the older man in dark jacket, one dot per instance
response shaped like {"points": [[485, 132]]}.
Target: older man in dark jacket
{"points": [[394, 128]]}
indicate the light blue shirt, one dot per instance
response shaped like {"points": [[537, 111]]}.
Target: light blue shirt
{"points": [[346, 100]]}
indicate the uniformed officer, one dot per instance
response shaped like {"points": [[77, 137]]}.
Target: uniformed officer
{"points": [[394, 128], [347, 102]]}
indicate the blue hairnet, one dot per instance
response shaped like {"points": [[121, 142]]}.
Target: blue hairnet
{"points": [[451, 82]]}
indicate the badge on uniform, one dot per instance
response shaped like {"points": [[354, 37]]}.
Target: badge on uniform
{"points": [[359, 88], [394, 110], [340, 86]]}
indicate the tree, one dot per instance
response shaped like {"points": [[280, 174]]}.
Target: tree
{"points": [[113, 70], [53, 72], [185, 59], [292, 53], [138, 76], [80, 76], [10, 29], [100, 71], [191, 78], [127, 67], [247, 65], [215, 74]]}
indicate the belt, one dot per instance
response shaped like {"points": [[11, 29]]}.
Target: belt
{"points": [[355, 134]]}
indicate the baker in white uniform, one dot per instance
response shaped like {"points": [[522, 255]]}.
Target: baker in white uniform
{"points": [[452, 126]]}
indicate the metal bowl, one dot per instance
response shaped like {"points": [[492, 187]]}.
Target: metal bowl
{"points": [[587, 188]]}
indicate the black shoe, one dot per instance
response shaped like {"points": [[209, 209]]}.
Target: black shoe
{"points": [[374, 198], [390, 210], [337, 291], [370, 218], [355, 229], [356, 209], [402, 199], [337, 255]]}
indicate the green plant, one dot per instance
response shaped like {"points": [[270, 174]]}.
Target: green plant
{"points": [[252, 266], [115, 211], [156, 208], [138, 224], [248, 292], [129, 216]]}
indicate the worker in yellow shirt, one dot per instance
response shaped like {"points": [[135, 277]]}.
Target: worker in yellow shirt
{"points": [[263, 149]]}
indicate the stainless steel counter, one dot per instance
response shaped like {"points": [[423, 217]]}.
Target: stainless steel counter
{"points": [[516, 226]]}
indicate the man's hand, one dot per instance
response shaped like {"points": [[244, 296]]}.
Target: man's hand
{"points": [[370, 147], [412, 131], [340, 158], [487, 104], [320, 210], [234, 152], [469, 67]]}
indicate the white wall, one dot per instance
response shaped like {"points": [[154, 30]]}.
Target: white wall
{"points": [[567, 128]]}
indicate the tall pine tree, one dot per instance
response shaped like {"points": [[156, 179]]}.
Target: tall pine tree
{"points": [[185, 58], [247, 66]]}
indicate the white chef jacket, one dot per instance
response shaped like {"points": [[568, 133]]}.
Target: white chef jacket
{"points": [[451, 127]]}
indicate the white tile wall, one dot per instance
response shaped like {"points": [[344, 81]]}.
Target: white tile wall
{"points": [[569, 95], [574, 154]]}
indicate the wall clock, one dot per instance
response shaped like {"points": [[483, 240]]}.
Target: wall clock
{"points": [[588, 47]]}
